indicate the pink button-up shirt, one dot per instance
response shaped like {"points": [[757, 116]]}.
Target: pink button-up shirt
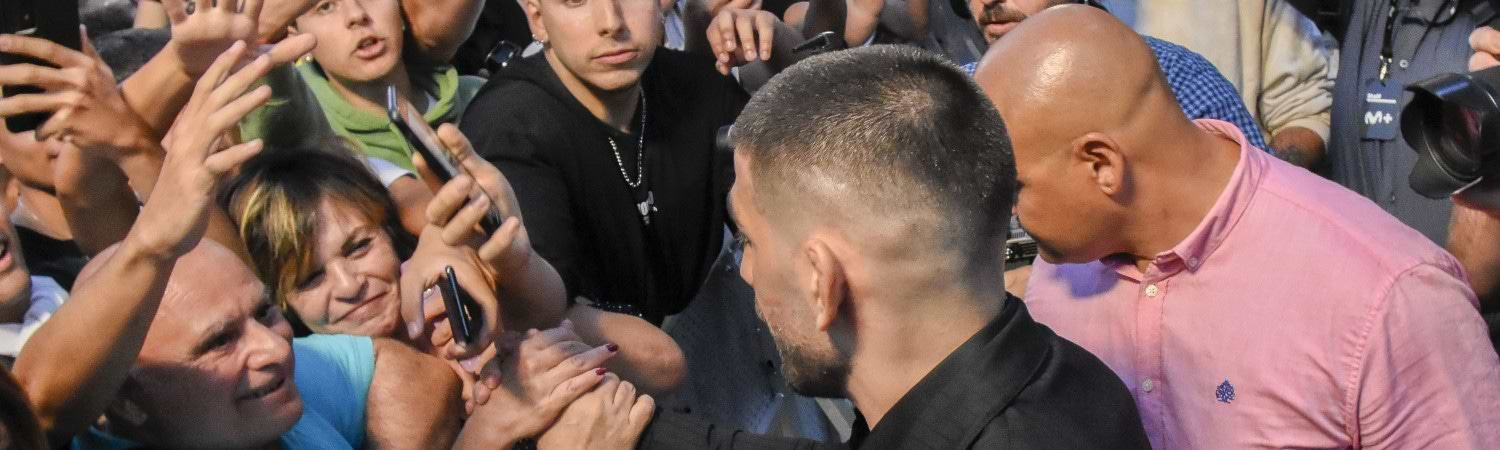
{"points": [[1297, 315]]}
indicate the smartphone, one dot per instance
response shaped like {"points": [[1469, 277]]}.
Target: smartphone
{"points": [[53, 20], [724, 140], [461, 308], [426, 143], [823, 42]]}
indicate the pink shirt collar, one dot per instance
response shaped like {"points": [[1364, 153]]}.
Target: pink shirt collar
{"points": [[1192, 252]]}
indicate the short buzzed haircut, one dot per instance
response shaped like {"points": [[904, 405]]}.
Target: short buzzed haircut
{"points": [[902, 127]]}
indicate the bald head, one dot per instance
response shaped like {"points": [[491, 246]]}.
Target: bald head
{"points": [[1074, 69], [206, 278], [1100, 141], [207, 272], [203, 271], [215, 369]]}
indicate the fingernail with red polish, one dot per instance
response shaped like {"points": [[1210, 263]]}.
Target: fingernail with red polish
{"points": [[612, 347], [600, 371]]}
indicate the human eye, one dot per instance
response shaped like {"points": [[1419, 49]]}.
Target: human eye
{"points": [[218, 342], [311, 280], [360, 247]]}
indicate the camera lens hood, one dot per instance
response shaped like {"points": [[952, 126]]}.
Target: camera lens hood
{"points": [[1453, 123]]}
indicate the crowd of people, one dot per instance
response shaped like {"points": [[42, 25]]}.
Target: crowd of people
{"points": [[224, 235]]}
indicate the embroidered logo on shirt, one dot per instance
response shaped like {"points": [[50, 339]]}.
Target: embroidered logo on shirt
{"points": [[1225, 392]]}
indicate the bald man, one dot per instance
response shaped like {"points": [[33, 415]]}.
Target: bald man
{"points": [[1246, 302]]}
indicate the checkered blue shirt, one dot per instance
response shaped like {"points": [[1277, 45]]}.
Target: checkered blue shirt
{"points": [[1201, 90]]}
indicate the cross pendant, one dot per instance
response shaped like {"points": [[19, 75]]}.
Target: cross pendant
{"points": [[647, 207]]}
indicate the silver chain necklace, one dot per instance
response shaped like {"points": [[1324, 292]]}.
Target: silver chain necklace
{"points": [[640, 151]]}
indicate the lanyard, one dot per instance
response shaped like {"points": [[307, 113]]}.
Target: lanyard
{"points": [[1386, 54]]}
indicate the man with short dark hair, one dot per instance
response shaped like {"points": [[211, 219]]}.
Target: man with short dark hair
{"points": [[872, 192]]}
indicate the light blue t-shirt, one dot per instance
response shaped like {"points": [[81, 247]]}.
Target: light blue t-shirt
{"points": [[332, 373]]}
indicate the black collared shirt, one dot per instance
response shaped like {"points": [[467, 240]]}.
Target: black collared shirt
{"points": [[1015, 384]]}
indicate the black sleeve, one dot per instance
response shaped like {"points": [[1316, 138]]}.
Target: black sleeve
{"points": [[524, 148], [672, 430]]}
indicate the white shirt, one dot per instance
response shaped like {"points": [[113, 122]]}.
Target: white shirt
{"points": [[387, 172], [675, 35], [46, 297]]}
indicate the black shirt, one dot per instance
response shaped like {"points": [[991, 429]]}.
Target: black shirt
{"points": [[1014, 384], [48, 257], [580, 213]]}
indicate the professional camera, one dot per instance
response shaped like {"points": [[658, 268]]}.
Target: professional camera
{"points": [[1453, 123]]}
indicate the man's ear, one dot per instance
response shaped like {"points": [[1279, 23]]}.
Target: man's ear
{"points": [[533, 10], [830, 285], [1105, 160]]}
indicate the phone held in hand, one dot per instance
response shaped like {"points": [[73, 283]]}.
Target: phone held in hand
{"points": [[425, 142], [53, 20], [460, 307], [822, 43]]}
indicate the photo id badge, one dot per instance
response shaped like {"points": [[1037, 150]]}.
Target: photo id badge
{"points": [[1381, 112]]}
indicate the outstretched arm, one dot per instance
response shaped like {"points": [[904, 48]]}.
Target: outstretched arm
{"points": [[413, 401], [86, 108], [161, 87], [73, 366]]}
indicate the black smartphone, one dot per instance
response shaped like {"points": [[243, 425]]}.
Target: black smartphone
{"points": [[823, 42], [53, 20], [461, 308], [425, 142]]}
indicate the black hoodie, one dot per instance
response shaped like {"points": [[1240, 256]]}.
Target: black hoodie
{"points": [[580, 213]]}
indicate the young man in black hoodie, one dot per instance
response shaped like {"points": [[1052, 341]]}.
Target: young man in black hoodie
{"points": [[608, 141]]}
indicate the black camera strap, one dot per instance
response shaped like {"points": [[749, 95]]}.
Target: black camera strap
{"points": [[1386, 52]]}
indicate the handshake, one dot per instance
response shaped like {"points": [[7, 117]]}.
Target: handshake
{"points": [[553, 387]]}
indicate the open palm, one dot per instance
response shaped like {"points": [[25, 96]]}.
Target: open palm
{"points": [[204, 33]]}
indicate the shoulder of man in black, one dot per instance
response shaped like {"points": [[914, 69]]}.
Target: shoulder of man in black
{"points": [[1014, 384], [519, 111], [1073, 401]]}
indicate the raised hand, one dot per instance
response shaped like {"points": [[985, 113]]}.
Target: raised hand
{"points": [[203, 29], [452, 210], [741, 36], [80, 92], [175, 217], [425, 268]]}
